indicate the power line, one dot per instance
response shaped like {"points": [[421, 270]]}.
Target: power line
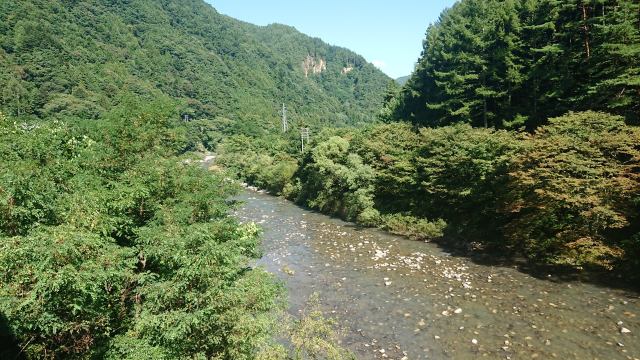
{"points": [[285, 124], [304, 136]]}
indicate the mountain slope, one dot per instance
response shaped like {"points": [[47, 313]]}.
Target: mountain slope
{"points": [[79, 58], [403, 80]]}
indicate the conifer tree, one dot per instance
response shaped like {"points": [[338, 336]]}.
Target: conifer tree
{"points": [[518, 62], [616, 74]]}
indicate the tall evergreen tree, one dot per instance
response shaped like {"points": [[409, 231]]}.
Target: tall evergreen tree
{"points": [[616, 74], [508, 63], [542, 53]]}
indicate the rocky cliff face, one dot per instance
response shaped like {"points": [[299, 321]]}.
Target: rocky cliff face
{"points": [[313, 65]]}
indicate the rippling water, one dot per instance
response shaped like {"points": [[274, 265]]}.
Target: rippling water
{"points": [[398, 298]]}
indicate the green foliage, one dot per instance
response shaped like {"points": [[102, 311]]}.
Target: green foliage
{"points": [[113, 246], [78, 58], [309, 336], [314, 337], [574, 181], [390, 101], [616, 85], [62, 288], [354, 174], [391, 151], [208, 133], [510, 63], [412, 227], [262, 162], [567, 194], [463, 174], [336, 181]]}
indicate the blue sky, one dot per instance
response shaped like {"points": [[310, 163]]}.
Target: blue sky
{"points": [[388, 33]]}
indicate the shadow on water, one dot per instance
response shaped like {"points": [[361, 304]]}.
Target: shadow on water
{"points": [[398, 297], [9, 348], [619, 279]]}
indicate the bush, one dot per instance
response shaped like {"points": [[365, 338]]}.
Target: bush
{"points": [[573, 184], [314, 337], [65, 290], [412, 227], [336, 181], [390, 150], [114, 246], [258, 167], [463, 173], [369, 217]]}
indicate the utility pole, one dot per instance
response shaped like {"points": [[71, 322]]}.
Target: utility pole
{"points": [[304, 135], [285, 125]]}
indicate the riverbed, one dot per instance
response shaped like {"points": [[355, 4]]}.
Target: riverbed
{"points": [[400, 299]]}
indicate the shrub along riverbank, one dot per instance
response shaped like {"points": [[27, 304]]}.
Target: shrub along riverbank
{"points": [[569, 193]]}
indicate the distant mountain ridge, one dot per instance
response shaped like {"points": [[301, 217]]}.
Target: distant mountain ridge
{"points": [[403, 80], [77, 58]]}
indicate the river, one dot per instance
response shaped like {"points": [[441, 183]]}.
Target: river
{"points": [[401, 299]]}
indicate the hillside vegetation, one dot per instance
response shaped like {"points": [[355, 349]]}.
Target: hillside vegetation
{"points": [[78, 58]]}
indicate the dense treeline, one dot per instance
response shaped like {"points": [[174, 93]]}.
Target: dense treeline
{"points": [[513, 63], [567, 194], [77, 58]]}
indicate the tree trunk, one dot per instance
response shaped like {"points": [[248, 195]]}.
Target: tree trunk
{"points": [[484, 104], [586, 31]]}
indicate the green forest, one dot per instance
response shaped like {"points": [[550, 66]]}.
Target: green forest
{"points": [[513, 64], [517, 136], [79, 58]]}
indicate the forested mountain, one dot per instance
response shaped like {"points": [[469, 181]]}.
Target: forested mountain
{"points": [[508, 63], [403, 80], [78, 58]]}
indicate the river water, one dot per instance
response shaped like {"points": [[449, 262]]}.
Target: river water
{"points": [[396, 298]]}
